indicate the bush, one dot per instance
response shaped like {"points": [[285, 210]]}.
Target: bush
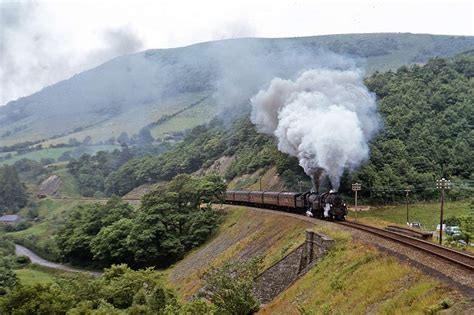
{"points": [[23, 260], [230, 288]]}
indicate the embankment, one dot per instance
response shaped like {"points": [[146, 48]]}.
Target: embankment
{"points": [[354, 277]]}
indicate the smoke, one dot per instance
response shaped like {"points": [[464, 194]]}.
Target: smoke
{"points": [[245, 66], [325, 118]]}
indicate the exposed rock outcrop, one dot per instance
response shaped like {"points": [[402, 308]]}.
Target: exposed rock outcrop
{"points": [[50, 186]]}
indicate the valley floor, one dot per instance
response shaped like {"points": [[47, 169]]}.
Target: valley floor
{"points": [[356, 277]]}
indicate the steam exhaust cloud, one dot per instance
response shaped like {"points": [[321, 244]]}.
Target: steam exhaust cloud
{"points": [[325, 118]]}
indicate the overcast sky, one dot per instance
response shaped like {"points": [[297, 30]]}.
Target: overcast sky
{"points": [[42, 42]]}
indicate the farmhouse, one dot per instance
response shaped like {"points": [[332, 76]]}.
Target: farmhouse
{"points": [[10, 219]]}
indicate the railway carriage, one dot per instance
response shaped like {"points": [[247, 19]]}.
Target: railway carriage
{"points": [[271, 198], [326, 205], [256, 197], [242, 197], [288, 200]]}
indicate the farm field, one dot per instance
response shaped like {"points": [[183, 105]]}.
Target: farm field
{"points": [[187, 119], [54, 153]]}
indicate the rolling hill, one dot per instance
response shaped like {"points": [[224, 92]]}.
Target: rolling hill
{"points": [[190, 85]]}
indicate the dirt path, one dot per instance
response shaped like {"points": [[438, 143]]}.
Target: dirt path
{"points": [[35, 259]]}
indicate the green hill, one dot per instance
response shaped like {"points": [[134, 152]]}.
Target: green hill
{"points": [[428, 117]]}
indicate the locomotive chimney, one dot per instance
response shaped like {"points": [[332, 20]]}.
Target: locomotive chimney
{"points": [[315, 177]]}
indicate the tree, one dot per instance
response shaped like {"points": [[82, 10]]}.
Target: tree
{"points": [[110, 245], [170, 222], [87, 140], [8, 278], [122, 287], [82, 224], [144, 137], [12, 192], [123, 138]]}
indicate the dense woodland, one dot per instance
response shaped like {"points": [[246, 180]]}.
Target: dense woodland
{"points": [[170, 222]]}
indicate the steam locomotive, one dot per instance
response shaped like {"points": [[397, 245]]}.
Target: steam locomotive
{"points": [[328, 205]]}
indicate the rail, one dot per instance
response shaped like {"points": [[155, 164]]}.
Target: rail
{"points": [[410, 232]]}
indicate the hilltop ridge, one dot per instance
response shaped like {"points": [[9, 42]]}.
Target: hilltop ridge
{"points": [[157, 83]]}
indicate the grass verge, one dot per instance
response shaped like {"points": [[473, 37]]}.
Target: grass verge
{"points": [[425, 213]]}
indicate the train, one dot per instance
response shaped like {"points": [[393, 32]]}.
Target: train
{"points": [[328, 205]]}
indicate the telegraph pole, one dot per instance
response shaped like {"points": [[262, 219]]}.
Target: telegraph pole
{"points": [[442, 184], [355, 188], [300, 185], [260, 183], [407, 191]]}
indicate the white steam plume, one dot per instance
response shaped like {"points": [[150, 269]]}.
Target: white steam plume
{"points": [[325, 118]]}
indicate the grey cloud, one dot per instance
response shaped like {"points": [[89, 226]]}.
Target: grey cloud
{"points": [[29, 54], [122, 41]]}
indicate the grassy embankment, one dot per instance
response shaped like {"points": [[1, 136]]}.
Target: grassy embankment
{"points": [[357, 279], [243, 234], [354, 278], [35, 274]]}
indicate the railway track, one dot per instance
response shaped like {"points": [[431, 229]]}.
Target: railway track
{"points": [[459, 258]]}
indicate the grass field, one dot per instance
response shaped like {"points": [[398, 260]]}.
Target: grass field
{"points": [[186, 120], [69, 187], [425, 213]]}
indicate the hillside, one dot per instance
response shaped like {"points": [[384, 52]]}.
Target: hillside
{"points": [[427, 113], [170, 90]]}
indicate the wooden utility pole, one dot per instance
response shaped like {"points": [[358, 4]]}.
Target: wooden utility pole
{"points": [[300, 185], [407, 191], [355, 188], [442, 184], [260, 183]]}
